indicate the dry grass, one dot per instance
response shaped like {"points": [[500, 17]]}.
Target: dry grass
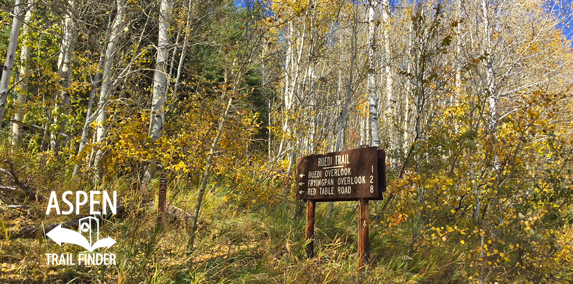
{"points": [[263, 244]]}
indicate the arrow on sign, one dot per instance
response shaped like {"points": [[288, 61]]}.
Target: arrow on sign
{"points": [[301, 192], [62, 235], [301, 183], [301, 175]]}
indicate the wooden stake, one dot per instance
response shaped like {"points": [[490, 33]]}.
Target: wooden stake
{"points": [[363, 242], [162, 204], [310, 210]]}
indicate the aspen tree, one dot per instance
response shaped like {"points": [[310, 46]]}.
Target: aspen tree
{"points": [[157, 116], [65, 74], [106, 85], [23, 85], [19, 12], [372, 94]]}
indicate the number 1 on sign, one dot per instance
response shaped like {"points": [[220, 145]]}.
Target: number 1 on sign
{"points": [[372, 169]]}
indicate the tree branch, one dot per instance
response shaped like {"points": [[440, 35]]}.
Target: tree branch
{"points": [[30, 191]]}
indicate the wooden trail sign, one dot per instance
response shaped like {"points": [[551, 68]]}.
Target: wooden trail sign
{"points": [[358, 174], [345, 175]]}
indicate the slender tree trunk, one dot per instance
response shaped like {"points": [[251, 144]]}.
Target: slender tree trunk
{"points": [[311, 92], [64, 71], [390, 100], [89, 118], [346, 101], [490, 80], [492, 123], [160, 76], [349, 89], [206, 174], [458, 50], [408, 93], [183, 49], [10, 57], [106, 84], [389, 79], [372, 95], [362, 126], [267, 96], [287, 93], [157, 116], [23, 84], [291, 89]]}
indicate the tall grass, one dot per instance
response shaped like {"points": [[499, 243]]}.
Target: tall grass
{"points": [[257, 244]]}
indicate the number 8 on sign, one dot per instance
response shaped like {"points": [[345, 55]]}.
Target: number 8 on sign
{"points": [[371, 189]]}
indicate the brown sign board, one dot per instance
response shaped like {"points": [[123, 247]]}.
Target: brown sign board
{"points": [[345, 175]]}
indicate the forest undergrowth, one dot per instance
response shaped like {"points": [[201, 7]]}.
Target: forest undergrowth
{"points": [[260, 243]]}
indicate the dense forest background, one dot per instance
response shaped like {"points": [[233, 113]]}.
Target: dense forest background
{"points": [[471, 99]]}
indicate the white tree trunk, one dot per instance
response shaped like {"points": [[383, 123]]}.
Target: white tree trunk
{"points": [[408, 91], [10, 57], [287, 97], [23, 84], [160, 75], [391, 108], [492, 96], [64, 71], [390, 100], [106, 83], [458, 51], [372, 95], [492, 99], [349, 88], [157, 116]]}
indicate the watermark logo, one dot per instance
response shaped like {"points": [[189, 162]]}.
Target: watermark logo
{"points": [[62, 235], [87, 235]]}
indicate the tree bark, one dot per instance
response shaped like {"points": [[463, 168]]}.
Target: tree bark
{"points": [[390, 100], [64, 71], [10, 57], [405, 145], [106, 84], [458, 50], [157, 116], [23, 84], [372, 95]]}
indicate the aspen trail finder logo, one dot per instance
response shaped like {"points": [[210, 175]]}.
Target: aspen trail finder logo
{"points": [[87, 235]]}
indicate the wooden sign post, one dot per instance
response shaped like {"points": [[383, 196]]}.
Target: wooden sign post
{"points": [[342, 176], [309, 242], [363, 240], [162, 197]]}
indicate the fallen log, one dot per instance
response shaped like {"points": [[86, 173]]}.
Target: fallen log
{"points": [[32, 193], [7, 187]]}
